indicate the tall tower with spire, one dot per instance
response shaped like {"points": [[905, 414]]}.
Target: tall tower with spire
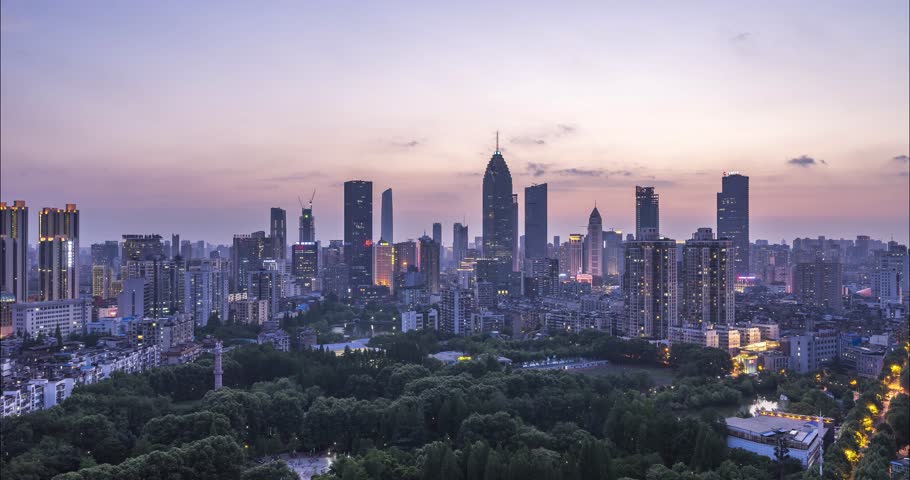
{"points": [[498, 217], [218, 370], [595, 244]]}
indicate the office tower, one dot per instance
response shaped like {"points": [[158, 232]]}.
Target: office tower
{"points": [[536, 221], [58, 253], [574, 254], [647, 209], [889, 281], [733, 217], [595, 244], [102, 275], [247, 255], [358, 231], [206, 290], [144, 247], [428, 252], [612, 252], [278, 225], [498, 215], [437, 234], [305, 264], [307, 223], [819, 283], [649, 286], [263, 285], [163, 284], [384, 264], [14, 242], [175, 246], [557, 244], [387, 222], [106, 254], [544, 277], [516, 258], [459, 242], [861, 249], [455, 309], [708, 279], [186, 250]]}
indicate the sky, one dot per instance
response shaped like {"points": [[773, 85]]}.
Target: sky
{"points": [[196, 117]]}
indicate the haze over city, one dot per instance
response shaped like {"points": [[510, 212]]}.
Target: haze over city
{"points": [[196, 119]]}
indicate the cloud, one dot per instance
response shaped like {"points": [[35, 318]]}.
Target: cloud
{"points": [[544, 136], [527, 141], [741, 37], [805, 161], [536, 169], [406, 144], [580, 172], [292, 177], [901, 159]]}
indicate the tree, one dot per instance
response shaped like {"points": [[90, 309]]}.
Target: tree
{"points": [[781, 452], [59, 337], [270, 471]]}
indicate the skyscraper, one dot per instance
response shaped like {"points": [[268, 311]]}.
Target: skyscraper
{"points": [[595, 244], [358, 231], [574, 255], [58, 253], [733, 217], [14, 254], [206, 290], [437, 234], [647, 209], [247, 255], [384, 264], [889, 281], [387, 231], [498, 215], [429, 263], [536, 221], [459, 242], [819, 283], [307, 224], [612, 252], [305, 264], [649, 286], [175, 245], [279, 232], [516, 257], [708, 280], [144, 247]]}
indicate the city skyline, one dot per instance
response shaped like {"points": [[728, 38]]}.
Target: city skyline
{"points": [[145, 146]]}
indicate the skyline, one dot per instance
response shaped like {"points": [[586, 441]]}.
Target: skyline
{"points": [[199, 132]]}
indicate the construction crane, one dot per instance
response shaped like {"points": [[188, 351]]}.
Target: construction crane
{"points": [[311, 199]]}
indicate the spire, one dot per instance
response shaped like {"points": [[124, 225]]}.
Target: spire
{"points": [[497, 140]]}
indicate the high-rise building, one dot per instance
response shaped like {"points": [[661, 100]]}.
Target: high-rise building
{"points": [[206, 290], [186, 250], [384, 264], [574, 255], [455, 309], [733, 217], [263, 285], [536, 221], [358, 231], [437, 234], [145, 247], [164, 282], [307, 224], [516, 252], [14, 253], [612, 252], [649, 286], [647, 209], [278, 225], [459, 242], [175, 246], [498, 215], [305, 264], [247, 255], [708, 280], [889, 281], [58, 253], [387, 226], [102, 275], [595, 244], [428, 261], [106, 254], [819, 283]]}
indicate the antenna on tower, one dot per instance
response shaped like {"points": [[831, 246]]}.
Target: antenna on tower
{"points": [[497, 140]]}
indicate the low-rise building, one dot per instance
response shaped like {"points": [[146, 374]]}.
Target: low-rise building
{"points": [[37, 318], [277, 338], [803, 435]]}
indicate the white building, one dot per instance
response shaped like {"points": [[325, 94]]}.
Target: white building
{"points": [[34, 318], [803, 435], [206, 290]]}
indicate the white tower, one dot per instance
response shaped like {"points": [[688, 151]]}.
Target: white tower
{"points": [[218, 371]]}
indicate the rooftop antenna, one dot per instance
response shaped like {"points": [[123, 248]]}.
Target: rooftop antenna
{"points": [[497, 140]]}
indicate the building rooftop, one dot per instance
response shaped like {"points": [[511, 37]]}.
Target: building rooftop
{"points": [[800, 429]]}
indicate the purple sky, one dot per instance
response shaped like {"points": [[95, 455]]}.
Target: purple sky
{"points": [[196, 117]]}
